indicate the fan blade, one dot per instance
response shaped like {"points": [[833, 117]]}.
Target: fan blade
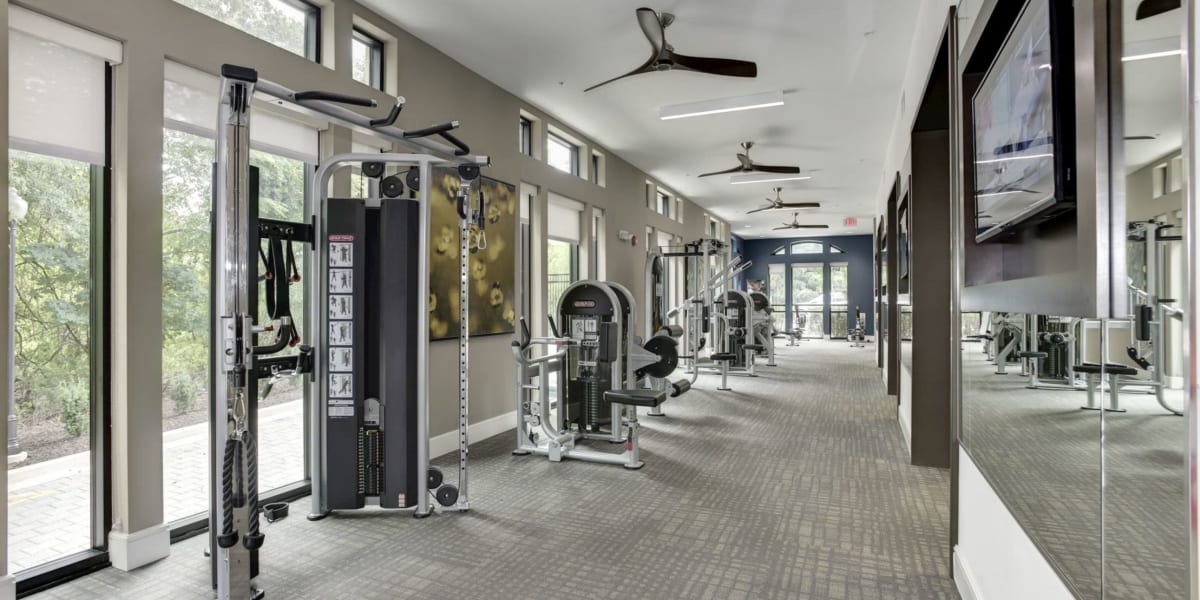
{"points": [[1140, 138], [645, 68], [758, 210], [800, 205], [1152, 8], [745, 160], [733, 170], [776, 169], [784, 227], [652, 27], [715, 66], [799, 226]]}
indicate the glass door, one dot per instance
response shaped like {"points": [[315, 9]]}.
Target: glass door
{"points": [[808, 298], [839, 303]]}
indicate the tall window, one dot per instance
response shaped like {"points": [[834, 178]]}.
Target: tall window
{"points": [[777, 288], [525, 136], [808, 298], [564, 225], [280, 149], [597, 168], [562, 269], [57, 199], [293, 25], [562, 155], [839, 300], [366, 59]]}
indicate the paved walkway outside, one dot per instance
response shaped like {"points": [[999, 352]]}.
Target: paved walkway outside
{"points": [[49, 502]]}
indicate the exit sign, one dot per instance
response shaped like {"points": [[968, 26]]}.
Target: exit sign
{"points": [[850, 222]]}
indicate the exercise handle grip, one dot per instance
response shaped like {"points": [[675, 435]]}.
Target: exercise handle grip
{"points": [[318, 95], [431, 130], [461, 148], [525, 336], [392, 115]]}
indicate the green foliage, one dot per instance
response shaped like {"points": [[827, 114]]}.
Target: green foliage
{"points": [[74, 406], [52, 285], [187, 247], [271, 20]]}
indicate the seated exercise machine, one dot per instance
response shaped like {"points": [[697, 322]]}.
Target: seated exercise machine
{"points": [[764, 325], [1052, 346], [596, 372], [1154, 310], [799, 324], [858, 333], [360, 351]]}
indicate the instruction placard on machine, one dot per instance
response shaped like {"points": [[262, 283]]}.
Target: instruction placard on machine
{"points": [[340, 398]]}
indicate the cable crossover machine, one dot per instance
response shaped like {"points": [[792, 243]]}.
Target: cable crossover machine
{"points": [[366, 350]]}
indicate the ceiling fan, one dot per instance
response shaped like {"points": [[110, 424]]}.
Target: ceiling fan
{"points": [[1153, 8], [749, 166], [796, 224], [664, 58], [778, 204]]}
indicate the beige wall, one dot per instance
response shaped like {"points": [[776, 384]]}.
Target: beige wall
{"points": [[437, 89]]}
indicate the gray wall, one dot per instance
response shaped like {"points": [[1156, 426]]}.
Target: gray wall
{"points": [[437, 88]]}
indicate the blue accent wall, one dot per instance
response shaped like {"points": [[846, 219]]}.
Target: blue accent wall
{"points": [[857, 254]]}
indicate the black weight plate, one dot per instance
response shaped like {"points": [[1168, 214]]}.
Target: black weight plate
{"points": [[667, 350], [435, 478], [447, 495], [372, 169], [413, 178], [391, 186]]}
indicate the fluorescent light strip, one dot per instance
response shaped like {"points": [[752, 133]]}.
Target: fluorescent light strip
{"points": [[720, 105], [741, 179], [1150, 55], [1012, 158]]}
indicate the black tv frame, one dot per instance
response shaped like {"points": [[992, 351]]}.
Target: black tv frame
{"points": [[1062, 88]]}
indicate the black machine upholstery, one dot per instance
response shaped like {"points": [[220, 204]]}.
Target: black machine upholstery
{"points": [[1110, 369], [724, 356], [648, 398], [1032, 355], [754, 347]]}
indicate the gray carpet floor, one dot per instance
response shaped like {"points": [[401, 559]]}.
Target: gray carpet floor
{"points": [[1043, 456], [794, 485]]}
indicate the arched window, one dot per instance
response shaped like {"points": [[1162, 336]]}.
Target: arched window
{"points": [[808, 248], [835, 250], [780, 251]]}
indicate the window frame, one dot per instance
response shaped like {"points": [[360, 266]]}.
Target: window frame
{"points": [[573, 148], [525, 135], [375, 56], [662, 202]]}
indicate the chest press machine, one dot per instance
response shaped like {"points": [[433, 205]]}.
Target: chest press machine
{"points": [[598, 371], [368, 386]]}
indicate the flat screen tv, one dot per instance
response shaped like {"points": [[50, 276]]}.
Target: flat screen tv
{"points": [[1024, 125]]}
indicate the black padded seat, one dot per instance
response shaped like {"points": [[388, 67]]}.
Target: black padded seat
{"points": [[1032, 355], [754, 347], [649, 398], [1109, 369], [724, 356]]}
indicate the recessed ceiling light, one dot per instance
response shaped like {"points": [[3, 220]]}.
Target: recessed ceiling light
{"points": [[720, 105], [765, 178], [746, 227]]}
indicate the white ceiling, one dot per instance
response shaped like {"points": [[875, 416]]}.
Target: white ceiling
{"points": [[840, 63], [1153, 88]]}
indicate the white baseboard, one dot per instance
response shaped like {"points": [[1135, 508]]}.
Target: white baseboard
{"points": [[8, 587], [128, 551], [964, 580], [476, 432]]}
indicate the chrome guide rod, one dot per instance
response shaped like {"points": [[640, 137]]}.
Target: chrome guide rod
{"points": [[1191, 346]]}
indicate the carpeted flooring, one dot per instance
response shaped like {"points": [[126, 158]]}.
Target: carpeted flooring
{"points": [[1043, 456], [794, 485]]}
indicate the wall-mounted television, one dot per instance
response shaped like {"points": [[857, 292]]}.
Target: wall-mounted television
{"points": [[1024, 125]]}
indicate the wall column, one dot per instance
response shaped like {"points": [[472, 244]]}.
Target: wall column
{"points": [[139, 535]]}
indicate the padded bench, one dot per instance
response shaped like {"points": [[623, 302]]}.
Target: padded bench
{"points": [[640, 397], [1032, 355], [754, 347], [723, 357], [1113, 372]]}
